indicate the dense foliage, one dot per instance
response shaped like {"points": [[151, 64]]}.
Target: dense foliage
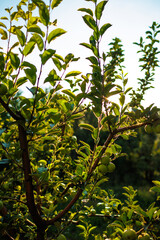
{"points": [[53, 184]]}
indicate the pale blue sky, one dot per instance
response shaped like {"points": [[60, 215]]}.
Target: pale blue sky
{"points": [[129, 18]]}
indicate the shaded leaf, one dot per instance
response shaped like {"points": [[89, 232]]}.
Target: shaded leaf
{"points": [[31, 75], [69, 93], [15, 61]]}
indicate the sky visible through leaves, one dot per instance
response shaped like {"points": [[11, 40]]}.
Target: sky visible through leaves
{"points": [[130, 19]]}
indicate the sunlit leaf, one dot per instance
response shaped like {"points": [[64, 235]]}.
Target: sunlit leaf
{"points": [[86, 126], [104, 28], [46, 55], [87, 10], [38, 40], [55, 3], [55, 33], [72, 73], [35, 28], [99, 9], [4, 34], [28, 48], [90, 22], [21, 37]]}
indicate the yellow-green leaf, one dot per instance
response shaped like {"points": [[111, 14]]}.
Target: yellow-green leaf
{"points": [[55, 33]]}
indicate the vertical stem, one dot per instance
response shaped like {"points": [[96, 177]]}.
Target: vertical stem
{"points": [[28, 179]]}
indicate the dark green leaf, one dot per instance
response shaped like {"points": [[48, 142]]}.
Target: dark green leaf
{"points": [[21, 81], [21, 37], [55, 3], [28, 48], [104, 28], [90, 22], [43, 11], [46, 55], [31, 75], [55, 33], [14, 60], [99, 9], [93, 60], [87, 10], [30, 65]]}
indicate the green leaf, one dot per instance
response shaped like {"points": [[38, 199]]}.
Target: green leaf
{"points": [[21, 81], [2, 25], [93, 60], [104, 28], [57, 63], [69, 93], [4, 34], [46, 55], [21, 37], [87, 10], [55, 33], [42, 11], [55, 3], [28, 48], [87, 126], [99, 9], [90, 22], [38, 40], [30, 65], [14, 60], [35, 28], [87, 45], [72, 73], [31, 75]]}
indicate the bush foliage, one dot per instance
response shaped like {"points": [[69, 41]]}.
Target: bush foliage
{"points": [[52, 184]]}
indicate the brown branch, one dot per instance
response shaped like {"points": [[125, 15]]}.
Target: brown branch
{"points": [[66, 209], [28, 179], [14, 115]]}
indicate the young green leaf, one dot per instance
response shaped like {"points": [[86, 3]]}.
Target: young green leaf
{"points": [[21, 37], [38, 40], [87, 10], [104, 28], [2, 25], [4, 34], [69, 93], [99, 9], [55, 33], [31, 75], [57, 63], [87, 126], [72, 73], [35, 28], [55, 3], [46, 55], [28, 48], [87, 45]]}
